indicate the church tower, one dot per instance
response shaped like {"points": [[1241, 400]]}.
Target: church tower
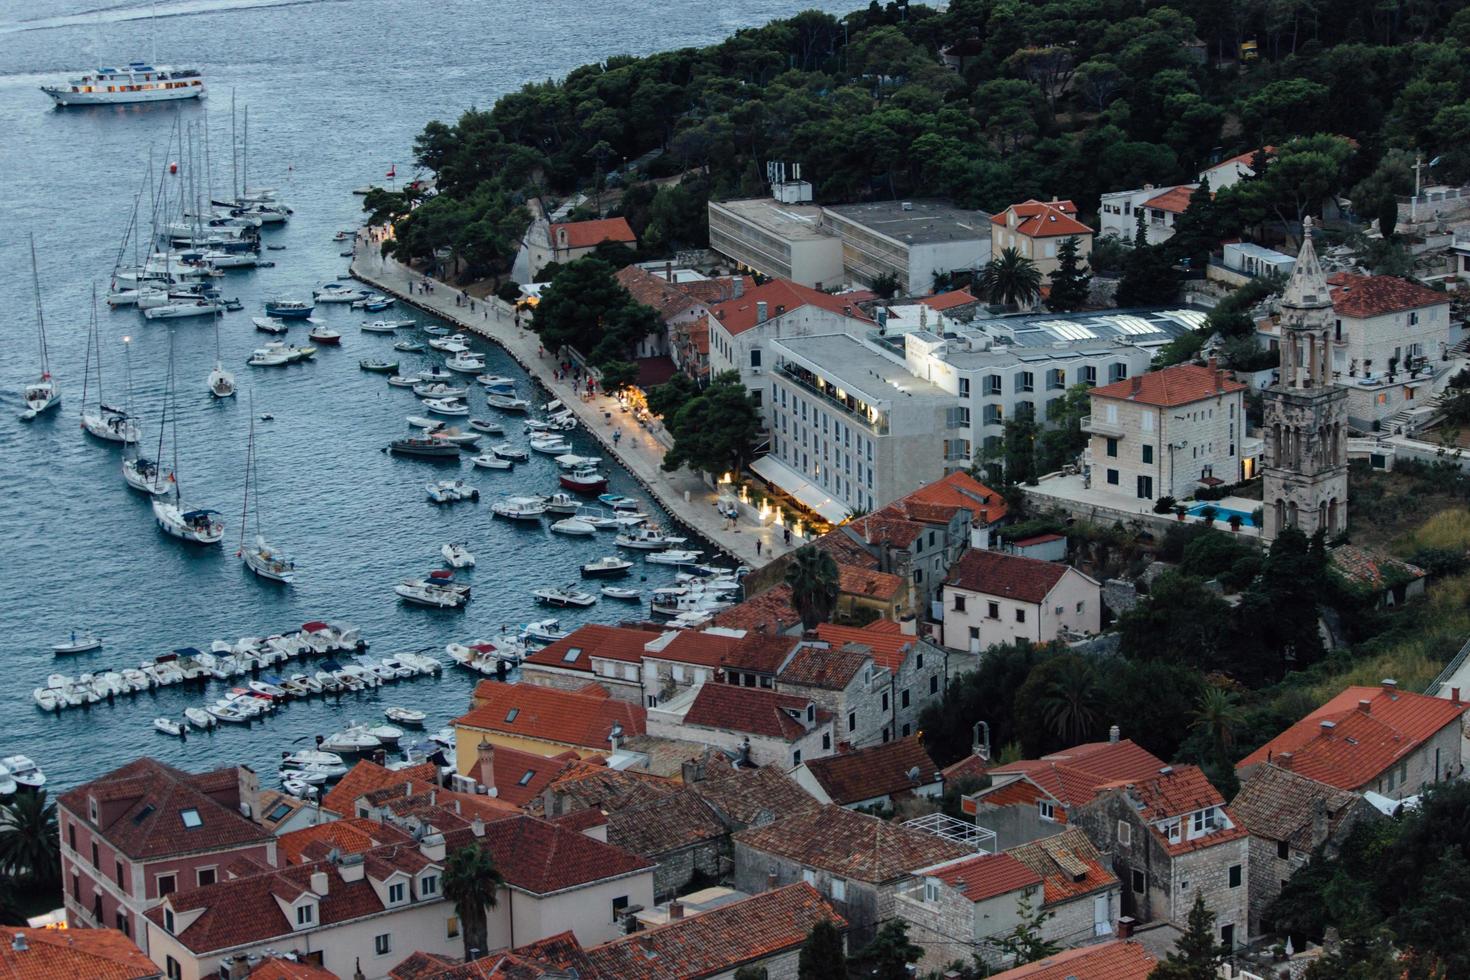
{"points": [[1305, 468]]}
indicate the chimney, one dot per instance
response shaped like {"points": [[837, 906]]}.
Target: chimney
{"points": [[18, 942], [1212, 363], [1454, 695], [477, 827], [1114, 733], [737, 286], [320, 882], [1319, 821], [237, 967], [1390, 686], [485, 763], [760, 311], [1283, 760], [1219, 379], [772, 879], [668, 272], [247, 785], [432, 847], [1326, 726], [1125, 926], [1365, 706], [1136, 385], [676, 910]]}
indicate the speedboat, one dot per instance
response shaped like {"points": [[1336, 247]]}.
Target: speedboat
{"points": [[387, 734], [545, 631], [25, 772], [451, 491], [598, 518], [378, 326], [265, 689], [574, 527], [481, 657], [467, 441], [424, 422], [288, 309], [563, 596], [466, 362], [402, 380], [586, 481], [673, 557], [550, 445], [446, 406], [323, 334], [269, 324], [617, 501], [199, 718], [439, 390], [487, 426], [410, 347], [621, 592], [646, 539], [424, 448], [351, 741], [435, 373], [605, 567], [404, 716], [176, 311], [519, 508], [497, 383], [571, 461], [453, 344], [435, 330], [83, 642], [434, 592], [506, 451], [274, 354], [194, 526], [457, 556], [337, 292], [562, 503], [507, 403], [489, 461], [168, 726], [372, 302], [378, 365]]}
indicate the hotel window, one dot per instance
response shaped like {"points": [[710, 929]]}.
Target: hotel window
{"points": [[992, 384], [1117, 371], [383, 944], [1056, 379], [1089, 374], [206, 876], [396, 892], [993, 415], [1025, 381], [964, 387], [167, 885]]}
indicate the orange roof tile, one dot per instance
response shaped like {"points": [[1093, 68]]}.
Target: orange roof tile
{"points": [[590, 234], [549, 715], [1043, 219], [889, 649], [1117, 960], [1174, 200], [72, 954], [1057, 859], [1346, 746], [963, 490], [366, 777], [851, 844], [824, 667], [716, 290], [1247, 158], [696, 648], [1172, 386], [1368, 296], [873, 772], [986, 876], [350, 835], [279, 968], [1075, 775], [771, 610], [593, 640], [780, 296], [949, 300], [1012, 576], [665, 298], [751, 710]]}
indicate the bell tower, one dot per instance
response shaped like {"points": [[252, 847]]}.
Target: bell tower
{"points": [[1305, 469]]}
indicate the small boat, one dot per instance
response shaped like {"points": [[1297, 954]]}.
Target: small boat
{"points": [[83, 642], [375, 303], [410, 347], [25, 772], [574, 527], [323, 334], [562, 503], [507, 451], [519, 508], [563, 596], [489, 461], [617, 501], [437, 593], [620, 592], [269, 324], [446, 406], [646, 539], [570, 461], [169, 727], [379, 326], [426, 389], [484, 658], [545, 631], [586, 481], [315, 760], [199, 718], [457, 556], [351, 741], [378, 365], [452, 491], [507, 403], [605, 567], [344, 236], [424, 448], [337, 292], [673, 557], [265, 689], [435, 330], [288, 309], [552, 446], [453, 344], [467, 441], [598, 518], [424, 422], [387, 734], [497, 382], [466, 362], [488, 427], [49, 699], [404, 716], [403, 380], [435, 373]]}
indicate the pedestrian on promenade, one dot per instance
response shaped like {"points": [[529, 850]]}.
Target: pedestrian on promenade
{"points": [[472, 306], [617, 437], [786, 533], [757, 547]]}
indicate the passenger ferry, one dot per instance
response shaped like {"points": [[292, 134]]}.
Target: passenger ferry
{"points": [[138, 82]]}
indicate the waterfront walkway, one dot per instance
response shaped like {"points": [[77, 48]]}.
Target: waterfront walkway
{"points": [[683, 494]]}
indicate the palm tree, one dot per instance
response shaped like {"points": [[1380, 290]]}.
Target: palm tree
{"points": [[1218, 716], [1072, 700], [29, 839], [812, 576], [472, 883], [1011, 279]]}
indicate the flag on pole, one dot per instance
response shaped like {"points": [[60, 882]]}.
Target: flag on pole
{"points": [[392, 170]]}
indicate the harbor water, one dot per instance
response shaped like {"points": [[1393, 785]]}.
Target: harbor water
{"points": [[337, 91]]}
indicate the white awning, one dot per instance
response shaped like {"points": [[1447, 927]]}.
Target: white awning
{"points": [[812, 496]]}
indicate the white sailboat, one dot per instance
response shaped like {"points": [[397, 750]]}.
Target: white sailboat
{"points": [[193, 526], [41, 395], [106, 422], [261, 557], [221, 382], [140, 473]]}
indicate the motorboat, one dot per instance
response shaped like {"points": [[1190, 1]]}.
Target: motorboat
{"points": [[451, 492], [466, 362], [447, 406], [424, 664], [487, 426], [269, 324], [498, 383], [84, 642], [424, 448], [402, 380], [481, 657], [489, 461], [598, 518], [562, 503], [424, 422], [673, 557], [200, 718], [439, 390], [323, 334], [138, 82], [467, 441], [620, 592], [550, 445], [563, 596], [297, 785], [507, 403], [506, 451], [435, 373], [410, 347], [387, 734], [49, 698], [519, 508], [373, 302], [585, 481], [404, 716], [606, 567], [26, 773], [571, 461], [169, 727], [618, 502], [288, 309], [646, 539], [379, 326], [437, 593], [572, 526], [195, 526], [337, 292], [354, 740], [457, 556], [177, 311], [452, 344], [378, 365], [435, 330], [545, 631], [268, 562]]}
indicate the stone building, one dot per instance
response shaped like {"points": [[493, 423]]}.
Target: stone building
{"points": [[992, 598], [842, 681], [1306, 424], [877, 776], [757, 726], [1035, 228], [909, 674]]}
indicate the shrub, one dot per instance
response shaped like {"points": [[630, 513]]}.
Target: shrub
{"points": [[1164, 505], [509, 291]]}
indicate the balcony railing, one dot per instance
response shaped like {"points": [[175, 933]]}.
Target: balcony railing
{"points": [[1101, 427], [878, 427]]}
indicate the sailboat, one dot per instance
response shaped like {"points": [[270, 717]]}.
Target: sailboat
{"points": [[194, 526], [221, 382], [141, 474], [262, 558], [104, 421], [42, 395]]}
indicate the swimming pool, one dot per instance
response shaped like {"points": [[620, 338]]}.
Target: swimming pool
{"points": [[1222, 514]]}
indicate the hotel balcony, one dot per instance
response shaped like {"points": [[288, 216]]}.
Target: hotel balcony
{"points": [[1101, 427], [878, 425]]}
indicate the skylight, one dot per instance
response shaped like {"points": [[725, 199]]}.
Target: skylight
{"points": [[510, 715], [143, 814], [281, 811], [191, 818], [1132, 325], [526, 779], [571, 655]]}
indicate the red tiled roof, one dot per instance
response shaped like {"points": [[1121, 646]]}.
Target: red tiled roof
{"points": [[1172, 386], [1074, 776], [423, 966], [781, 296], [279, 968], [546, 714], [888, 647], [1117, 960], [1043, 219], [1069, 865], [1359, 745], [744, 797], [751, 710], [694, 647], [970, 767], [542, 857], [1368, 296], [886, 526], [350, 835], [1174, 200], [593, 640], [590, 234], [986, 876], [762, 653], [1012, 576], [1247, 158], [825, 667], [140, 807], [520, 777], [719, 941], [367, 777], [1181, 790], [949, 300], [666, 823], [1279, 805], [599, 787], [963, 490], [1366, 568], [1036, 539], [851, 844], [72, 954], [666, 299], [717, 290], [877, 771], [771, 610]]}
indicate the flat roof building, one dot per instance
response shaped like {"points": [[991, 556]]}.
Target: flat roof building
{"points": [[913, 241], [785, 241]]}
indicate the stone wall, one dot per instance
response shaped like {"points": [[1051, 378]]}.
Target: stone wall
{"points": [[1207, 872], [944, 928], [1119, 595], [676, 869], [863, 904]]}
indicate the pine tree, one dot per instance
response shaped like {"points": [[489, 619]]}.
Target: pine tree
{"points": [[1068, 281], [1148, 277], [888, 956], [1197, 230], [1195, 955], [822, 956]]}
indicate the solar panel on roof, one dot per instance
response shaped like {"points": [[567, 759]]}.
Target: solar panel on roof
{"points": [[1131, 325]]}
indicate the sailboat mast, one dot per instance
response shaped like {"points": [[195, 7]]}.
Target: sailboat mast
{"points": [[40, 316], [87, 366], [208, 165], [249, 465], [245, 157], [172, 400], [234, 154], [128, 394]]}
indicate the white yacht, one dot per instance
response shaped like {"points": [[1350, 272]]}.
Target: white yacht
{"points": [[138, 82], [41, 395], [25, 772], [519, 508]]}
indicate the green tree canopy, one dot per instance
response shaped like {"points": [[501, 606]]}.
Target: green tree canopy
{"points": [[715, 431]]}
